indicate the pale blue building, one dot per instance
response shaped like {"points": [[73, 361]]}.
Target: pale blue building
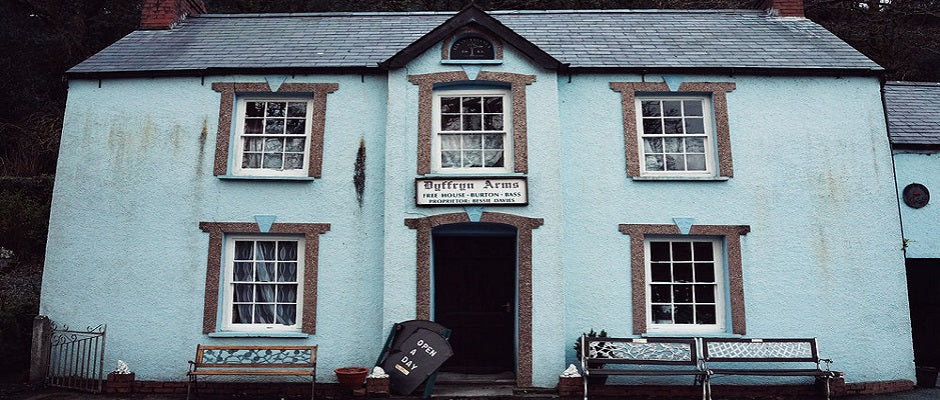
{"points": [[520, 177]]}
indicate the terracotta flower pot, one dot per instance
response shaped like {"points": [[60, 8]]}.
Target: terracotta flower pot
{"points": [[351, 377]]}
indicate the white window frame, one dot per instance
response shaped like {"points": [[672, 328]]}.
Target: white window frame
{"points": [[721, 295], [708, 117], [228, 285], [240, 137], [508, 145]]}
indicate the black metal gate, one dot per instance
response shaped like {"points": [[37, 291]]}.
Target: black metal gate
{"points": [[76, 358]]}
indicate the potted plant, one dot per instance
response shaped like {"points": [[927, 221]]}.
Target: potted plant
{"points": [[351, 377], [593, 380]]}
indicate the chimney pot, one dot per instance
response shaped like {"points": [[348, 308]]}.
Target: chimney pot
{"points": [[165, 14]]}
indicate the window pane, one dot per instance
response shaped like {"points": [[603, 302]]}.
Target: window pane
{"points": [[704, 293], [253, 126], [672, 108], [682, 293], [675, 162], [251, 160], [450, 142], [660, 294], [243, 271], [493, 158], [662, 314], [652, 126], [286, 293], [264, 313], [693, 107], [296, 126], [295, 145], [472, 159], [297, 109], [450, 159], [653, 145], [276, 109], [253, 144], [493, 122], [703, 251], [682, 251], [694, 126], [244, 292], [705, 314], [660, 272], [659, 251], [684, 314], [672, 126], [695, 145], [264, 272], [243, 250], [695, 162], [493, 142], [654, 163], [286, 314], [472, 122], [471, 105], [672, 145], [704, 272], [682, 272], [450, 122], [287, 272], [287, 251], [241, 314], [273, 161], [650, 108], [474, 142], [493, 104], [254, 109], [273, 144], [450, 104], [265, 250], [274, 127], [264, 293]]}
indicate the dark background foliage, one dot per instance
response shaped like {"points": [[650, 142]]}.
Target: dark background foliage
{"points": [[43, 38]]}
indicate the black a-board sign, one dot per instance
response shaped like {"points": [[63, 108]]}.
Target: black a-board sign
{"points": [[413, 352]]}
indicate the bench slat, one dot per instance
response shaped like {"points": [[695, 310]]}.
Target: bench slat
{"points": [[252, 372]]}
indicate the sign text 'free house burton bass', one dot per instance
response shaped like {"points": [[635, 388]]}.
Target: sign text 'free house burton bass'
{"points": [[471, 191]]}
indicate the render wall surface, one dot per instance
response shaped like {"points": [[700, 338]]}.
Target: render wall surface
{"points": [[921, 225], [813, 180], [134, 180]]}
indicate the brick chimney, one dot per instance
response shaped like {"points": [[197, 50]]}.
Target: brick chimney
{"points": [[785, 8], [165, 14]]}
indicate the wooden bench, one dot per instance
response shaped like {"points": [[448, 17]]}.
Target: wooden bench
{"points": [[764, 357], [640, 357], [253, 360]]}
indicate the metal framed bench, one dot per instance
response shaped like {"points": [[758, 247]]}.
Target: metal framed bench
{"points": [[253, 360], [764, 357], [640, 357]]}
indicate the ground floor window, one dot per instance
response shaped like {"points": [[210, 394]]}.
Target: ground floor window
{"points": [[684, 284], [263, 289]]}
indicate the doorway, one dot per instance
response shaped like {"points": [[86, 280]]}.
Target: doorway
{"points": [[474, 275], [923, 275]]}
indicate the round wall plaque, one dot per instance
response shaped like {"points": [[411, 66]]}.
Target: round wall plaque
{"points": [[916, 195]]}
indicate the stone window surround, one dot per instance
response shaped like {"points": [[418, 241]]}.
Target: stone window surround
{"points": [[472, 31], [524, 226], [732, 239], [217, 231], [426, 84], [717, 90], [227, 107]]}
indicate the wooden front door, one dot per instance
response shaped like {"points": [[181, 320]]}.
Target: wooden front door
{"points": [[474, 296]]}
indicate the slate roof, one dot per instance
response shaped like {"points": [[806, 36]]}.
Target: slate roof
{"points": [[632, 39], [913, 110]]}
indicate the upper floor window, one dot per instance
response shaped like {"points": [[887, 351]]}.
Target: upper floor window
{"points": [[472, 131], [676, 136], [273, 136]]}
